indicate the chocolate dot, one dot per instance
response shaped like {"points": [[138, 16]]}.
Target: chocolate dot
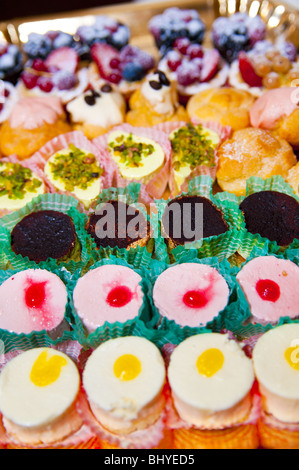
{"points": [[163, 79], [90, 100], [106, 88], [155, 85]]}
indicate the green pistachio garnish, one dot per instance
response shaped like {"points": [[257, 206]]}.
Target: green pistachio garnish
{"points": [[76, 169], [16, 181], [192, 147], [130, 153]]}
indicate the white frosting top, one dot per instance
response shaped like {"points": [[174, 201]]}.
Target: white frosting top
{"points": [[162, 99]]}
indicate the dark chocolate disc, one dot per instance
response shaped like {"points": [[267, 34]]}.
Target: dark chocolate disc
{"points": [[190, 218], [273, 215], [116, 224], [44, 234]]}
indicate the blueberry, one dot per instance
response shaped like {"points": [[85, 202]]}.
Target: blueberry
{"points": [[63, 40], [38, 45], [133, 72], [7, 62]]}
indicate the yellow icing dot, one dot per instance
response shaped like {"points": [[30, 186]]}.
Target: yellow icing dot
{"points": [[292, 356], [46, 371], [210, 362], [127, 367]]}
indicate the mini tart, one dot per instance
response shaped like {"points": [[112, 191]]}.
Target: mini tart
{"points": [[75, 171], [120, 296], [40, 299], [226, 106], [275, 361], [269, 285], [44, 234], [112, 226], [96, 111], [190, 294], [18, 186], [123, 380], [138, 158], [38, 390], [8, 98], [173, 226], [272, 215], [252, 152], [210, 378]]}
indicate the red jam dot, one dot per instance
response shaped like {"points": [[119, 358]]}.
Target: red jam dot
{"points": [[119, 296], [195, 299], [268, 290], [35, 295]]}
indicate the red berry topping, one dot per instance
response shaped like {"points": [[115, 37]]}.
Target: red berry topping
{"points": [[39, 65], [210, 65], [35, 295], [45, 84], [195, 299], [64, 58], [1, 106], [29, 80], [103, 54], [268, 290], [182, 44], [247, 71], [114, 77], [195, 51], [3, 49], [119, 296], [6, 92], [114, 63]]}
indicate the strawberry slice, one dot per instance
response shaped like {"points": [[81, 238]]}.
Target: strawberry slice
{"points": [[247, 71], [104, 56], [63, 58], [210, 64]]}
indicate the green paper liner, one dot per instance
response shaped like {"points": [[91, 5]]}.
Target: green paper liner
{"points": [[43, 338], [255, 184], [142, 325], [221, 246], [80, 254], [169, 330], [138, 256]]}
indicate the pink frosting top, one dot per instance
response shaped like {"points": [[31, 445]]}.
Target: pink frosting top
{"points": [[32, 300], [191, 294], [270, 285], [33, 112], [272, 105], [109, 293]]}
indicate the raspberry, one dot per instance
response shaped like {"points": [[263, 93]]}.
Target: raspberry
{"points": [[182, 44], [45, 84], [39, 65], [195, 51], [29, 80]]}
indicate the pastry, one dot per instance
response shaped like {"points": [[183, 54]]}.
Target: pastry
{"points": [[117, 224], [108, 293], [40, 299], [278, 110], [252, 152], [38, 392], [272, 215], [190, 294], [211, 378], [226, 106], [44, 234], [269, 287], [155, 101], [95, 112], [275, 361], [124, 379], [32, 122]]}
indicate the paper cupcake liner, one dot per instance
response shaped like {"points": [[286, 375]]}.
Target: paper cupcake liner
{"points": [[157, 184], [80, 141], [223, 245], [62, 203]]}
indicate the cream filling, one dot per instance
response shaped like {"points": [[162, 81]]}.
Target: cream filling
{"points": [[161, 100], [284, 409]]}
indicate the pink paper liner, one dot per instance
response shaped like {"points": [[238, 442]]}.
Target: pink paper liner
{"points": [[223, 132], [78, 139], [144, 439], [158, 184]]}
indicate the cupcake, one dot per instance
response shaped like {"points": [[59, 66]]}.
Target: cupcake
{"points": [[190, 294], [96, 111], [210, 380], [123, 380], [269, 284], [273, 215], [32, 122], [275, 361], [156, 101], [108, 293], [252, 152], [8, 98], [104, 29], [38, 393], [226, 106], [278, 110], [40, 299]]}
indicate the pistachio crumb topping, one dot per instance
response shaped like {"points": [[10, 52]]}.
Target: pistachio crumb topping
{"points": [[192, 147], [76, 168], [16, 181], [130, 152]]}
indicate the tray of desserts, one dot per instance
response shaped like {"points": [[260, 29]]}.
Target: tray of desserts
{"points": [[149, 228]]}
